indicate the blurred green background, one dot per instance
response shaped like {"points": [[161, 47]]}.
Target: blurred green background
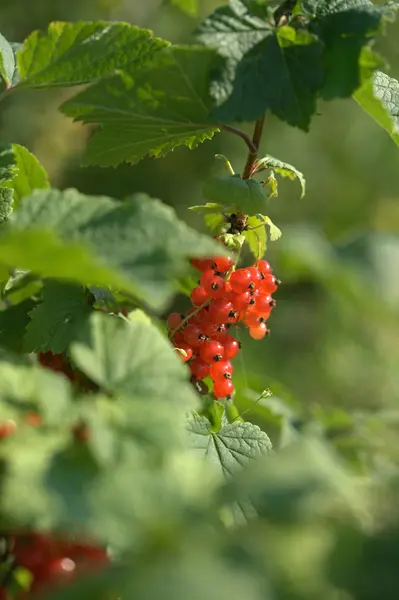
{"points": [[334, 342]]}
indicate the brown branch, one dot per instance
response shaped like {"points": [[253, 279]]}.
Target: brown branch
{"points": [[253, 153], [242, 135]]}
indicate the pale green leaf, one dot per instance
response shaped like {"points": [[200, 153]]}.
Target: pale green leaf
{"points": [[76, 53], [139, 245], [57, 320], [379, 97], [256, 236], [230, 448], [132, 372], [150, 111], [284, 169], [7, 61], [246, 195]]}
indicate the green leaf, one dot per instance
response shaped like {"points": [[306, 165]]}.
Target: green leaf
{"points": [[345, 28], [134, 373], [284, 169], [190, 7], [246, 195], [158, 107], [379, 97], [208, 207], [20, 174], [138, 246], [77, 53], [7, 61], [256, 236], [13, 323], [230, 448], [57, 320], [267, 68]]}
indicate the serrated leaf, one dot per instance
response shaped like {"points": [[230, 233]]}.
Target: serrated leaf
{"points": [[98, 354], [7, 61], [267, 68], [256, 236], [230, 448], [138, 246], [379, 97], [285, 170], [345, 27], [246, 195], [77, 53], [13, 323], [57, 320], [20, 173], [190, 7], [158, 107]]}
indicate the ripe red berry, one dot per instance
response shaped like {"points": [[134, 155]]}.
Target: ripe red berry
{"points": [[221, 370], [264, 304], [264, 267], [269, 284], [187, 350], [222, 311], [178, 339], [7, 428], [199, 296], [241, 280], [258, 332], [193, 335], [242, 301], [231, 346], [255, 273], [201, 264], [211, 351], [174, 320], [222, 264], [253, 318], [214, 285], [223, 388], [199, 369]]}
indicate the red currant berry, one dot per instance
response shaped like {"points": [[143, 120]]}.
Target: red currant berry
{"points": [[222, 263], [201, 264], [231, 346], [7, 428], [221, 311], [210, 329], [223, 388], [253, 319], [241, 280], [211, 351], [199, 369], [241, 301], [33, 419], [193, 335], [187, 352], [174, 320], [255, 274], [214, 285], [221, 370], [264, 267], [258, 332], [264, 304], [269, 284], [178, 339], [199, 296], [221, 331]]}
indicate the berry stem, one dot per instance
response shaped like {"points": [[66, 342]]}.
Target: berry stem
{"points": [[250, 143], [253, 152], [187, 318]]}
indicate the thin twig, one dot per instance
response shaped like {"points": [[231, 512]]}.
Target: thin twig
{"points": [[253, 153], [242, 135]]}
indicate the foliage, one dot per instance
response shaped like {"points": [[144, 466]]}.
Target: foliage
{"points": [[104, 437]]}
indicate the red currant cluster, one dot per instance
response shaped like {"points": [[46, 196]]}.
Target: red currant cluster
{"points": [[51, 562], [224, 297], [59, 363]]}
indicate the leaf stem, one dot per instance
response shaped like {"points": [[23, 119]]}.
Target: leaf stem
{"points": [[242, 135], [253, 153]]}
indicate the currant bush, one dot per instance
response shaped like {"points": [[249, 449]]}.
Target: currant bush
{"points": [[225, 297]]}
